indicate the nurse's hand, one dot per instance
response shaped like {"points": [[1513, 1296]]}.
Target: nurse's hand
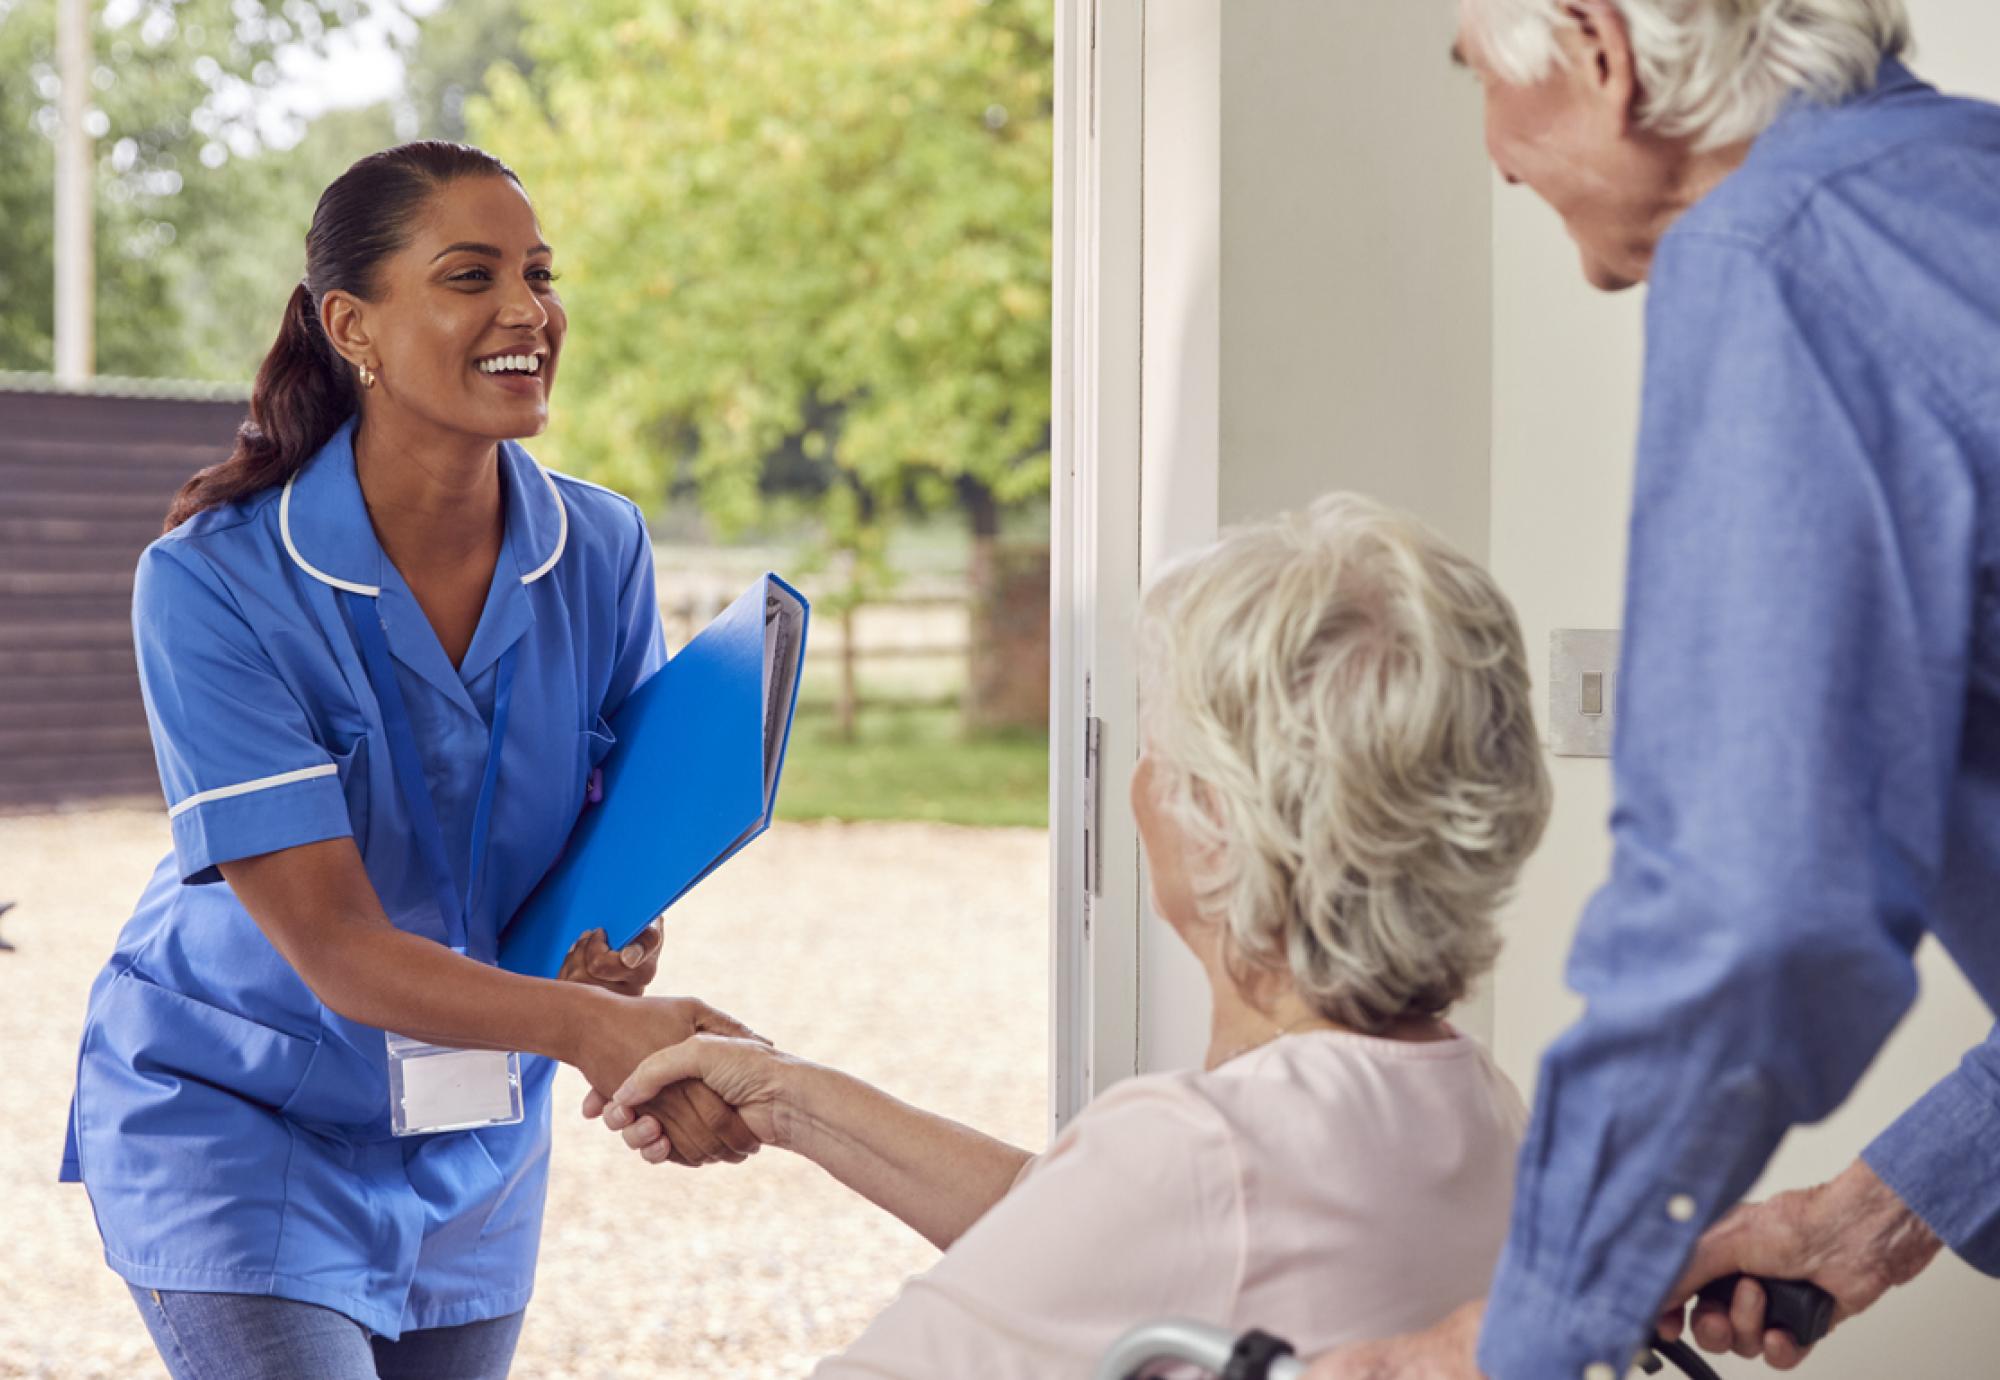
{"points": [[703, 1128], [748, 1075], [628, 971]]}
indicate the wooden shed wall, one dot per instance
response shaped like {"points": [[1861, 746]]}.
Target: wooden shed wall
{"points": [[84, 483]]}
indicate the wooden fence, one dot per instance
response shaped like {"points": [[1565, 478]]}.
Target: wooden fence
{"points": [[893, 641], [85, 478]]}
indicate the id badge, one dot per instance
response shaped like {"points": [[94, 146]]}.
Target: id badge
{"points": [[436, 1088]]}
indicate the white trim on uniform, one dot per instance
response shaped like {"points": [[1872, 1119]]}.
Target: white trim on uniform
{"points": [[562, 532], [285, 531], [262, 783]]}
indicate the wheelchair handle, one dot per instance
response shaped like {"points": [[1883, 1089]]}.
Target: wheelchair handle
{"points": [[1798, 1307], [1793, 1305], [1253, 1356]]}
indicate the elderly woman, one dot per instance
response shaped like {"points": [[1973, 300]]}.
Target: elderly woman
{"points": [[1805, 765], [1341, 779]]}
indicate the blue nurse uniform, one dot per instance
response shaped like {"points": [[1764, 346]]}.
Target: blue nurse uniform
{"points": [[233, 1133]]}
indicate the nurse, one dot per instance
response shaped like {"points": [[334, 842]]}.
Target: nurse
{"points": [[378, 645]]}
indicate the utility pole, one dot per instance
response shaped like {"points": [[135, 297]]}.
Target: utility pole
{"points": [[76, 160]]}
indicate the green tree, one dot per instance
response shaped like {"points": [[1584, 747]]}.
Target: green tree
{"points": [[180, 92], [27, 184], [205, 182], [241, 226], [239, 246], [797, 227], [446, 64]]}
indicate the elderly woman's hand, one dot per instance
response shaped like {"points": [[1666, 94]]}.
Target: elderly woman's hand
{"points": [[745, 1073], [628, 971]]}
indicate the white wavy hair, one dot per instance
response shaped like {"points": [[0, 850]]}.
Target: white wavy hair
{"points": [[1338, 710], [1713, 71]]}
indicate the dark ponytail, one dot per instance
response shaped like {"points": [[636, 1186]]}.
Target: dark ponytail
{"points": [[304, 389], [302, 395]]}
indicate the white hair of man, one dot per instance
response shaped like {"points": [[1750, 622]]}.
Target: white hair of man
{"points": [[1715, 72], [1338, 710]]}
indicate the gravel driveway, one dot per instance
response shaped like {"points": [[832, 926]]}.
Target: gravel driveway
{"points": [[913, 955]]}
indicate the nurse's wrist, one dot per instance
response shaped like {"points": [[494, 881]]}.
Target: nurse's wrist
{"points": [[582, 1013]]}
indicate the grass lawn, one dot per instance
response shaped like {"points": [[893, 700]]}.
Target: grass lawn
{"points": [[908, 763]]}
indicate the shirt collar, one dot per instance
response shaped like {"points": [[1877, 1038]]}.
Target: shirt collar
{"points": [[1802, 111], [327, 533], [323, 521]]}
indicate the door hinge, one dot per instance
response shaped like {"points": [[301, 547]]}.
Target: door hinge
{"points": [[1093, 862], [1090, 75]]}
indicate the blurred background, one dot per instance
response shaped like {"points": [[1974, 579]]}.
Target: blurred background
{"points": [[805, 250]]}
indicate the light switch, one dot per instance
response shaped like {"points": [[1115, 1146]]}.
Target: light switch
{"points": [[1583, 670]]}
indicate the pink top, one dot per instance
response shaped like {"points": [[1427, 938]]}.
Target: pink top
{"points": [[1326, 1187]]}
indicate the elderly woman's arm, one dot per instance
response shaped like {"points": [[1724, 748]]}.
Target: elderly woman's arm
{"points": [[932, 1172]]}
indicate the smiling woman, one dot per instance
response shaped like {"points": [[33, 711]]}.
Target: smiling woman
{"points": [[385, 229], [479, 357], [333, 636]]}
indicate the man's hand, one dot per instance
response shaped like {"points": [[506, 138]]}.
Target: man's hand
{"points": [[702, 1127], [1853, 1237], [628, 971], [1447, 1351]]}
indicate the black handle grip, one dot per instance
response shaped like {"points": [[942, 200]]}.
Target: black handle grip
{"points": [[1803, 1309], [1256, 1352]]}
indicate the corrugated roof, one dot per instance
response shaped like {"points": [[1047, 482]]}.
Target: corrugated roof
{"points": [[111, 386]]}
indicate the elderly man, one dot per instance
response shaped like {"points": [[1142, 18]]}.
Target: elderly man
{"points": [[1808, 761]]}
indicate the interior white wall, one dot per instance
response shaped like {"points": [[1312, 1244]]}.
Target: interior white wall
{"points": [[1316, 301], [1565, 405], [1356, 287]]}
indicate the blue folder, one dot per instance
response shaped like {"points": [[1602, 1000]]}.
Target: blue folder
{"points": [[692, 777]]}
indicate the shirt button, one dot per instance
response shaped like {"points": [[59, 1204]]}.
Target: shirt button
{"points": [[1599, 1371], [1680, 1207]]}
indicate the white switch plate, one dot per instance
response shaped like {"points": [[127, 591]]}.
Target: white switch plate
{"points": [[1573, 654]]}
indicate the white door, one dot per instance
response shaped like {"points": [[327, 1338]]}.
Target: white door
{"points": [[1136, 405], [1094, 567], [1273, 277]]}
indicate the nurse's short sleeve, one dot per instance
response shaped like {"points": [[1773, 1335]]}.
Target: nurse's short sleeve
{"points": [[240, 766]]}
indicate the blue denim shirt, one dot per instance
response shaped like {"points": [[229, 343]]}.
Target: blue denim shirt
{"points": [[1807, 767]]}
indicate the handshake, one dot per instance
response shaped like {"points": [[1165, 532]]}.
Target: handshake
{"points": [[681, 1081]]}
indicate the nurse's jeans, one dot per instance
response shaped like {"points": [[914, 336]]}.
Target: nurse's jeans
{"points": [[254, 1337]]}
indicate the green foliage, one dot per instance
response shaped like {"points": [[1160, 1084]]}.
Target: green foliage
{"points": [[795, 225], [239, 247], [205, 183], [181, 92], [447, 64], [27, 182], [915, 764]]}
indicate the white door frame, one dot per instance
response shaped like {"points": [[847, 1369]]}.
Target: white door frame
{"points": [[1094, 873]]}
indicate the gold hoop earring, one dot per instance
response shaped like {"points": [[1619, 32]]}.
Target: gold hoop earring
{"points": [[367, 376]]}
